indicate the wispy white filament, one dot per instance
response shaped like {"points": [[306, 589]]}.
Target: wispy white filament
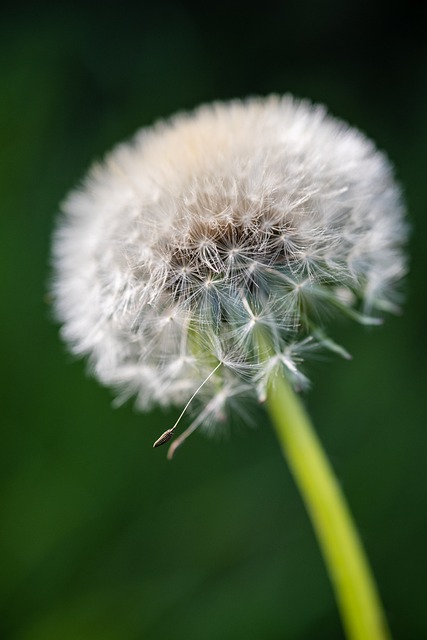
{"points": [[242, 219], [167, 435]]}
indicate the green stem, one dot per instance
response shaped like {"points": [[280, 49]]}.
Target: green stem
{"points": [[348, 568]]}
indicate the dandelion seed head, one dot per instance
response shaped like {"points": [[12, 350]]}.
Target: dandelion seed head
{"points": [[239, 220]]}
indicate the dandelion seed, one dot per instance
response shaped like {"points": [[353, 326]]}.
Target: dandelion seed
{"points": [[240, 222], [165, 437]]}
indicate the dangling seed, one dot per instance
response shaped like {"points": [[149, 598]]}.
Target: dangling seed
{"points": [[165, 437]]}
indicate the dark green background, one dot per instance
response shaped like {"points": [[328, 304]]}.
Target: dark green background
{"points": [[101, 537]]}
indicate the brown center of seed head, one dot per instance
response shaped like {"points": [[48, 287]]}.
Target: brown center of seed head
{"points": [[227, 254]]}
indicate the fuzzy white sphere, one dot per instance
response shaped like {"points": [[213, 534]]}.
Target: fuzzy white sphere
{"points": [[214, 233]]}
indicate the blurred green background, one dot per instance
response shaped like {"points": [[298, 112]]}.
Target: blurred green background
{"points": [[102, 538]]}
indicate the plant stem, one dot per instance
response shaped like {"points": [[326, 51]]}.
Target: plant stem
{"points": [[354, 586]]}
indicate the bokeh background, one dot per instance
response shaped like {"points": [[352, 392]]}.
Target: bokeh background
{"points": [[102, 538]]}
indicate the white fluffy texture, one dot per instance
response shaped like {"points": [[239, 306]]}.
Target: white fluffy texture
{"points": [[217, 232]]}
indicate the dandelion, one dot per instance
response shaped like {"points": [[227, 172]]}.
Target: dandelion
{"points": [[247, 218], [199, 263]]}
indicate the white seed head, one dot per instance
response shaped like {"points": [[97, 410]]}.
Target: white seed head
{"points": [[216, 232]]}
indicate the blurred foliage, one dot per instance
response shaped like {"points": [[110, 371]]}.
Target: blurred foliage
{"points": [[101, 538]]}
